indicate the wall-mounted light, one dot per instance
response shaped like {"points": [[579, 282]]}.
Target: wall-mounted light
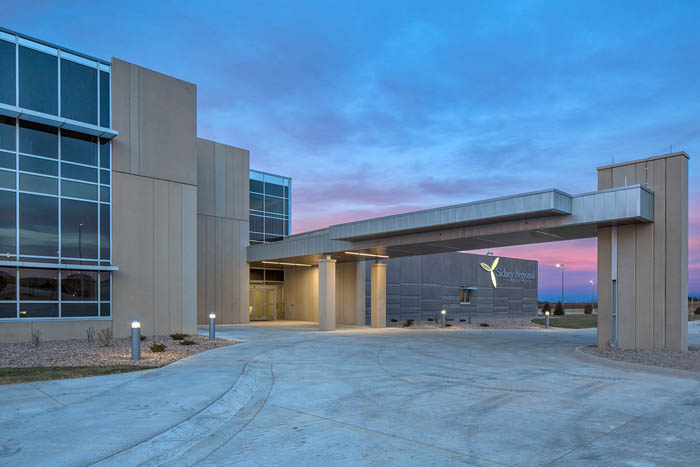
{"points": [[286, 264], [369, 255]]}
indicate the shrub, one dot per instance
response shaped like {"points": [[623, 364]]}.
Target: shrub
{"points": [[178, 336], [36, 338], [157, 348], [546, 307], [394, 320], [187, 342], [143, 338], [447, 325], [90, 334], [588, 309], [105, 336], [559, 309], [430, 319], [697, 311], [484, 325], [462, 320], [408, 323]]}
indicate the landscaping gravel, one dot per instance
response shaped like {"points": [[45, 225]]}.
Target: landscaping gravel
{"points": [[493, 323], [664, 358], [80, 352]]}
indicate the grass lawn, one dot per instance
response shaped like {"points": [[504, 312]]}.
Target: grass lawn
{"points": [[570, 321], [25, 375]]}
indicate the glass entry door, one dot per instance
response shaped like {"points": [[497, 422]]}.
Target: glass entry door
{"points": [[263, 303]]}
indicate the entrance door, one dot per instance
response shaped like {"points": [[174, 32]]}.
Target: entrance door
{"points": [[263, 303]]}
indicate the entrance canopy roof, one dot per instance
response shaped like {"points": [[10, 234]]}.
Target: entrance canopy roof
{"points": [[536, 217]]}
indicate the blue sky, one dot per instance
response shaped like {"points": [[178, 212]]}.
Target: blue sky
{"points": [[383, 107]]}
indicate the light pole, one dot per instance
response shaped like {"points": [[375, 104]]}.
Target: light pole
{"points": [[591, 282], [561, 265]]}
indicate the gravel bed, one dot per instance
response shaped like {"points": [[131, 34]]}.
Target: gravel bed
{"points": [[493, 323], [664, 358], [80, 352]]}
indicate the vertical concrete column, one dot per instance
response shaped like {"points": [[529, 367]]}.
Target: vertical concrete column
{"points": [[378, 295], [360, 293], [326, 294]]}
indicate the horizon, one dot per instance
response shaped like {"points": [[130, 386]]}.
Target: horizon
{"points": [[375, 110]]}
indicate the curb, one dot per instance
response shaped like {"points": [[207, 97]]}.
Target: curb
{"points": [[578, 353]]}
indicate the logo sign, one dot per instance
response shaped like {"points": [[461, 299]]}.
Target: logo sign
{"points": [[491, 269]]}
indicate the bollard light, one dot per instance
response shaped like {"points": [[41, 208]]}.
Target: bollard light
{"points": [[212, 326], [546, 317], [443, 313], [135, 339]]}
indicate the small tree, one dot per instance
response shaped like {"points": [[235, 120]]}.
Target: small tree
{"points": [[697, 311], [588, 309], [546, 307], [559, 309]]}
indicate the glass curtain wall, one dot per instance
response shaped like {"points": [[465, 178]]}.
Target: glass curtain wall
{"points": [[55, 186], [270, 207]]}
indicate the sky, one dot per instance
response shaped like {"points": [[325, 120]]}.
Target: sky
{"points": [[376, 108]]}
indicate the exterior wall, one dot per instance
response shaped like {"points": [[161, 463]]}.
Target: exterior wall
{"points": [[222, 233], [154, 201], [418, 287], [301, 294], [652, 259]]}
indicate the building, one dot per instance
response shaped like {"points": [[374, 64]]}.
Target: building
{"points": [[112, 209]]}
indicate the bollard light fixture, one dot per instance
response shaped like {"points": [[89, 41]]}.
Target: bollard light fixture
{"points": [[136, 339], [546, 316], [212, 315], [212, 326], [443, 313]]}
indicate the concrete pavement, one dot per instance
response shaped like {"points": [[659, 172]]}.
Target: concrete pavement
{"points": [[295, 396]]}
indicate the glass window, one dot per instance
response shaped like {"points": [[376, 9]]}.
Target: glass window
{"points": [[104, 194], [8, 226], [78, 310], [76, 147], [78, 229], [7, 179], [38, 225], [36, 165], [7, 72], [256, 238], [286, 206], [38, 310], [257, 275], [274, 275], [104, 286], [286, 192], [286, 228], [7, 160], [104, 232], [38, 184], [78, 286], [79, 190], [464, 296], [256, 186], [273, 189], [256, 202], [256, 224], [104, 99], [78, 172], [7, 132], [273, 238], [104, 177], [40, 140], [38, 81], [274, 226], [273, 205], [78, 92], [8, 283], [38, 284], [104, 309], [104, 153], [8, 310]]}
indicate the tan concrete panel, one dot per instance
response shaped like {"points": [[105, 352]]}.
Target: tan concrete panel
{"points": [[676, 253], [220, 156], [219, 268], [378, 295], [167, 123], [228, 286], [59, 330], [644, 286], [201, 269], [229, 187], [659, 226], [243, 272], [241, 183], [624, 176], [604, 284], [604, 179], [205, 177], [360, 294], [189, 272], [626, 293], [121, 79], [301, 293], [16, 332], [176, 248], [134, 120], [326, 295], [162, 251], [133, 286], [211, 265]]}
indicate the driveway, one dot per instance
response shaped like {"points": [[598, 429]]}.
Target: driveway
{"points": [[295, 396]]}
